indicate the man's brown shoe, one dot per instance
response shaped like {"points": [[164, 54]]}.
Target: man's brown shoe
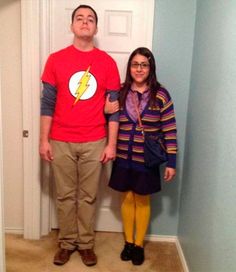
{"points": [[62, 256], [88, 256]]}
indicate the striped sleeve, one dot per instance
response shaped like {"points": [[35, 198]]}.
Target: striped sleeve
{"points": [[168, 125]]}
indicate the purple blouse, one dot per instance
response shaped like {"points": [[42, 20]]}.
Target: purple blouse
{"points": [[141, 101]]}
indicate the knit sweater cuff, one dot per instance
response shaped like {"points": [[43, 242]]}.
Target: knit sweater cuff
{"points": [[171, 161]]}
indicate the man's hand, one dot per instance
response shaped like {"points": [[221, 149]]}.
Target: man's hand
{"points": [[169, 174], [109, 154], [45, 151], [111, 107]]}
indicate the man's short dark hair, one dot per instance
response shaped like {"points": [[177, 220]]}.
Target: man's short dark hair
{"points": [[84, 6]]}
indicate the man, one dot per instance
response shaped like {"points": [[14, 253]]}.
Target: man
{"points": [[73, 131]]}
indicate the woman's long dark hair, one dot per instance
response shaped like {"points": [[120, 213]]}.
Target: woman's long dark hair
{"points": [[152, 82]]}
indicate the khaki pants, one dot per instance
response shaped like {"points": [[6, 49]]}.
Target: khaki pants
{"points": [[77, 170]]}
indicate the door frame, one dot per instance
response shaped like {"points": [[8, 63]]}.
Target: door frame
{"points": [[2, 232], [30, 27], [35, 45]]}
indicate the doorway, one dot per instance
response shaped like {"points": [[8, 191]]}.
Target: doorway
{"points": [[119, 21]]}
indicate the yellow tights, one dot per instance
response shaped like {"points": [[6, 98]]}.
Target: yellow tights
{"points": [[135, 211]]}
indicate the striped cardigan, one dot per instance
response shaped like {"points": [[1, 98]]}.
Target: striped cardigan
{"points": [[160, 118]]}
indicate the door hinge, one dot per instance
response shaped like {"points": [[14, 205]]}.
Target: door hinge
{"points": [[25, 133]]}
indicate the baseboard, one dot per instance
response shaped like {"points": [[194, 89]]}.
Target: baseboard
{"points": [[170, 239], [14, 230], [181, 255], [160, 238]]}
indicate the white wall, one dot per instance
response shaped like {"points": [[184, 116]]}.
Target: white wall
{"points": [[10, 50]]}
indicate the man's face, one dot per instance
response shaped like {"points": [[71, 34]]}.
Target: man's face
{"points": [[84, 23]]}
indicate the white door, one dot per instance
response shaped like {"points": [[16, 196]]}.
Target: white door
{"points": [[123, 25]]}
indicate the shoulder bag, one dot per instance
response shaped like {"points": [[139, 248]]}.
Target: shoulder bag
{"points": [[154, 147]]}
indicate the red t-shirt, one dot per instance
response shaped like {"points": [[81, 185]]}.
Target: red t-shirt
{"points": [[81, 80]]}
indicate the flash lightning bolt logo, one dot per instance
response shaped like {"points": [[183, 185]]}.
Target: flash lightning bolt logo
{"points": [[83, 85]]}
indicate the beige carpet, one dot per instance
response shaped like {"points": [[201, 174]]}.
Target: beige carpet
{"points": [[37, 255]]}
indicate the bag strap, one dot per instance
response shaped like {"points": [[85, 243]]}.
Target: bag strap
{"points": [[138, 114], [141, 124]]}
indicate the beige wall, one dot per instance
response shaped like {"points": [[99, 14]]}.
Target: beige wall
{"points": [[10, 57]]}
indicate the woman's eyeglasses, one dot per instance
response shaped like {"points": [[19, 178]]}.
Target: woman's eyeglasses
{"points": [[142, 65]]}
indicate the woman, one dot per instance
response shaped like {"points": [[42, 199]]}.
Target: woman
{"points": [[141, 94]]}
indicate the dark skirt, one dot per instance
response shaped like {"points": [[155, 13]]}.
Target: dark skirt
{"points": [[131, 176]]}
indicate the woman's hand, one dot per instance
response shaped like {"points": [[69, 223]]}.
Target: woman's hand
{"points": [[169, 174]]}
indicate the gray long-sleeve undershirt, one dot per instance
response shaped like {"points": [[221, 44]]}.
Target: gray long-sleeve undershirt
{"points": [[49, 96]]}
